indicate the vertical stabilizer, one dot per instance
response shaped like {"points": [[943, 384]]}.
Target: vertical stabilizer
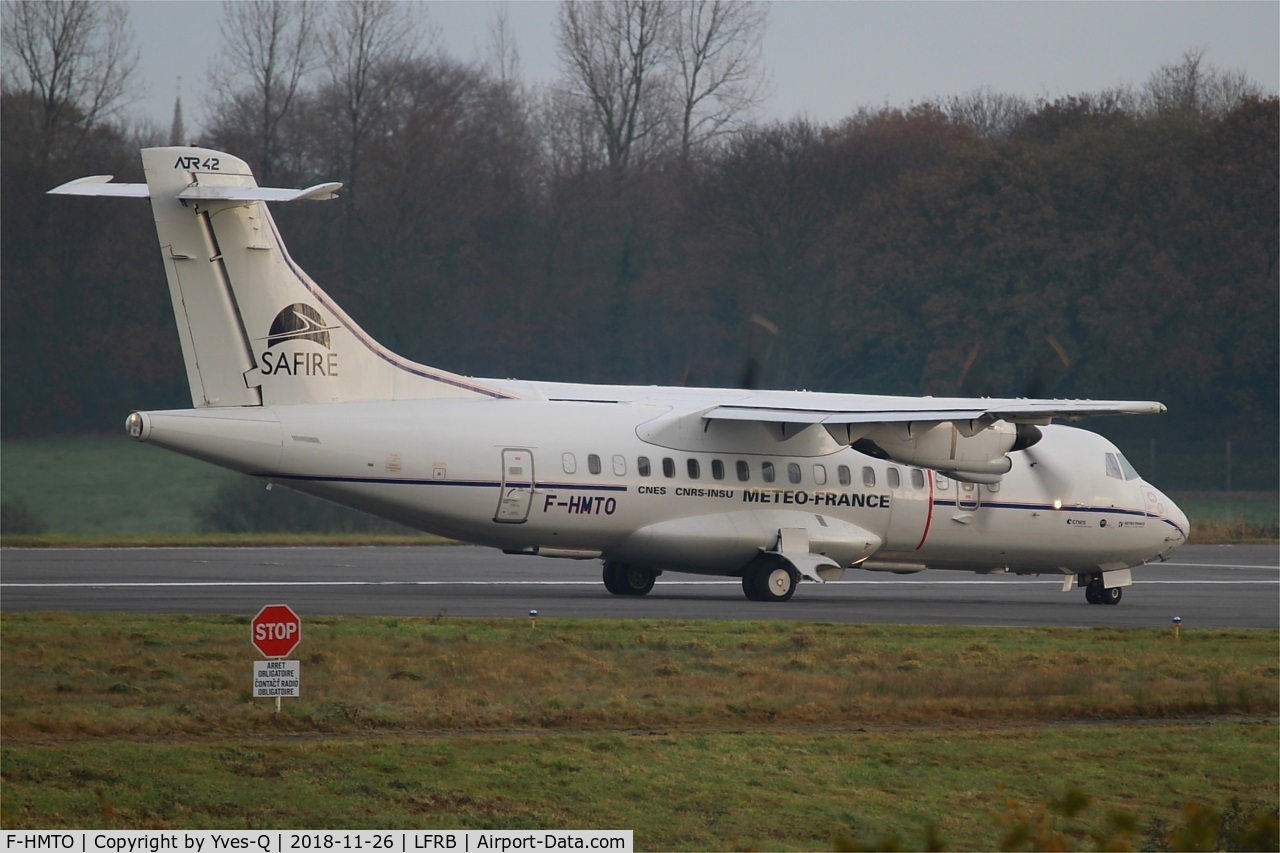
{"points": [[255, 329], [215, 343]]}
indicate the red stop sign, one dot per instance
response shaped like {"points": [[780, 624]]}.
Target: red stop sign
{"points": [[276, 630]]}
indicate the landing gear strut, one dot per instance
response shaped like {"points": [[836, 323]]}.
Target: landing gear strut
{"points": [[625, 579]]}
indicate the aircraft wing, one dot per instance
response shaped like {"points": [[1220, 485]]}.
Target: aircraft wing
{"points": [[817, 407], [880, 410]]}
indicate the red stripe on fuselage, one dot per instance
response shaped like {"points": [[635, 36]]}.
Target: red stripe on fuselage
{"points": [[928, 519]]}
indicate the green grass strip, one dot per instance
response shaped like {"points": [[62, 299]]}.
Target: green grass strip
{"points": [[698, 735], [779, 789]]}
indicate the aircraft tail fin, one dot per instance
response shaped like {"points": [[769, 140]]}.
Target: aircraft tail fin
{"points": [[255, 329]]}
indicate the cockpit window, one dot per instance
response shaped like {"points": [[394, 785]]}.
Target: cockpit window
{"points": [[1113, 467], [1130, 473], [1119, 467]]}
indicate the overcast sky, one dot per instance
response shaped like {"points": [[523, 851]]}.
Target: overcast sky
{"points": [[826, 59]]}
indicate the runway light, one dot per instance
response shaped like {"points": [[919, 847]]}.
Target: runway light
{"points": [[1177, 626], [533, 619]]}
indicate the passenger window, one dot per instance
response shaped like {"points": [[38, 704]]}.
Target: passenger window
{"points": [[1113, 467], [941, 481], [695, 470], [642, 466], [895, 479], [593, 463], [668, 466], [620, 466], [820, 474], [844, 476], [917, 478], [994, 487], [868, 477], [793, 472], [766, 471], [570, 463], [717, 469], [744, 470]]}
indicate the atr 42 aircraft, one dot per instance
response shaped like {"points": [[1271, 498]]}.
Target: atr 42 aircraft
{"points": [[769, 486]]}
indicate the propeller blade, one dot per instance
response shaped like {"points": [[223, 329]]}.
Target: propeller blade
{"points": [[761, 336]]}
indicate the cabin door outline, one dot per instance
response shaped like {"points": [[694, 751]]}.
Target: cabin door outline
{"points": [[515, 493]]}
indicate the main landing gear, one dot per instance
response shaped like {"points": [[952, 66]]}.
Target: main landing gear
{"points": [[1096, 593], [624, 579], [769, 580]]}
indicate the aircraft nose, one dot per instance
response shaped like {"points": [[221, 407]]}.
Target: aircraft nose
{"points": [[1175, 528], [1180, 520]]}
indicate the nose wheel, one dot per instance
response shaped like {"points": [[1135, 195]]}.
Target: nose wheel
{"points": [[1096, 593], [769, 580]]}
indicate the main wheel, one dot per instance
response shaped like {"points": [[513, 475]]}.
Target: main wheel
{"points": [[1093, 594], [769, 580], [612, 578], [625, 579]]}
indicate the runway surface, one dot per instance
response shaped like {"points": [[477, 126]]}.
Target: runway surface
{"points": [[1234, 586], [1217, 586]]}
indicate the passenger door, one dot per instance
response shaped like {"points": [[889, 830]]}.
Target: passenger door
{"points": [[516, 492]]}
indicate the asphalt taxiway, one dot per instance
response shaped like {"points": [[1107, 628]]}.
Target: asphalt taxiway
{"points": [[1236, 586]]}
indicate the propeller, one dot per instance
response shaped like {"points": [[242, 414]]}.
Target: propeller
{"points": [[1051, 369], [762, 334]]}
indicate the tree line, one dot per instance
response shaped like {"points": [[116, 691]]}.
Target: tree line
{"points": [[632, 222]]}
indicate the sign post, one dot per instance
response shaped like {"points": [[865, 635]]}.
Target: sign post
{"points": [[275, 632]]}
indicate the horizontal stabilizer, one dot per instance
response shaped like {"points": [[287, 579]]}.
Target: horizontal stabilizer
{"points": [[100, 185], [320, 192]]}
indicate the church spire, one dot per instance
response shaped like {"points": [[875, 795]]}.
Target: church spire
{"points": [[178, 133]]}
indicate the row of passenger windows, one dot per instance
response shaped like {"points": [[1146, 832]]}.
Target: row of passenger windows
{"points": [[742, 470]]}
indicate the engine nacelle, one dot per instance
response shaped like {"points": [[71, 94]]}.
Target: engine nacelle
{"points": [[968, 450]]}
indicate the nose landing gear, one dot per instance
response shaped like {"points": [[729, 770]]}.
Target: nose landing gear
{"points": [[1096, 593], [769, 580]]}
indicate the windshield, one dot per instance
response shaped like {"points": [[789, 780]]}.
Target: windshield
{"points": [[1119, 467]]}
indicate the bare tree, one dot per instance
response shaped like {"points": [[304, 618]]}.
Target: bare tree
{"points": [[503, 60], [991, 115], [368, 44], [615, 53], [509, 104], [77, 59], [269, 48], [1193, 87], [716, 59]]}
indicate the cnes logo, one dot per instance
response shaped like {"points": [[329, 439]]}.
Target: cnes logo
{"points": [[298, 323]]}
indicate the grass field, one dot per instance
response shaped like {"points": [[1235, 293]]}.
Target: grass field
{"points": [[95, 485], [108, 490], [727, 735]]}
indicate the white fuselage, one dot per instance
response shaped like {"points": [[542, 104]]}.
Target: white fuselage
{"points": [[584, 479]]}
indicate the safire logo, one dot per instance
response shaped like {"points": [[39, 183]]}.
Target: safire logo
{"points": [[299, 321], [295, 323]]}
